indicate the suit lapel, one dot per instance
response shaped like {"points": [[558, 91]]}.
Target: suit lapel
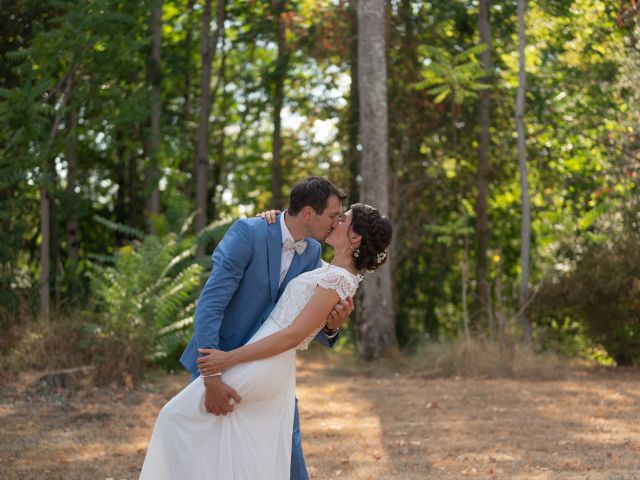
{"points": [[274, 250]]}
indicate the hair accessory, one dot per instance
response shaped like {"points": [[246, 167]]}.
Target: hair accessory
{"points": [[381, 256]]}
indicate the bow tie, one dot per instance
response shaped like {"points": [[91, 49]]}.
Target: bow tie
{"points": [[290, 246]]}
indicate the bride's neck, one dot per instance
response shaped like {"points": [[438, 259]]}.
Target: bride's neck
{"points": [[344, 258]]}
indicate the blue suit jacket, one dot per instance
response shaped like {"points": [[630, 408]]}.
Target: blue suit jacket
{"points": [[243, 287]]}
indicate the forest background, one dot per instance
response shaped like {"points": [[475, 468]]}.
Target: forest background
{"points": [[501, 139]]}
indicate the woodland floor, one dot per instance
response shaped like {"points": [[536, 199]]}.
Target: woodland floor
{"points": [[357, 423]]}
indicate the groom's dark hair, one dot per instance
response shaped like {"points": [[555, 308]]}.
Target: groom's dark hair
{"points": [[313, 192]]}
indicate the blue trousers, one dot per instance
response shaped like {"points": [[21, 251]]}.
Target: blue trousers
{"points": [[298, 467]]}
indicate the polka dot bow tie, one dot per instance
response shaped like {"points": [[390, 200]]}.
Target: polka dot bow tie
{"points": [[291, 246]]}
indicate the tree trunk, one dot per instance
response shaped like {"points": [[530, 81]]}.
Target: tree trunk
{"points": [[152, 174], [218, 165], [208, 48], [45, 265], [483, 313], [280, 74], [73, 232], [186, 88], [375, 328], [500, 308], [121, 202], [353, 153], [133, 187], [187, 160], [54, 231], [45, 206], [525, 227]]}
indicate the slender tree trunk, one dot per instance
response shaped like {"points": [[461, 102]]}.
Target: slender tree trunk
{"points": [[500, 309], [525, 227], [218, 165], [54, 231], [186, 88], [278, 101], [464, 278], [376, 324], [45, 207], [73, 232], [152, 176], [483, 313], [121, 208], [45, 265], [208, 48], [133, 188], [187, 160], [353, 155]]}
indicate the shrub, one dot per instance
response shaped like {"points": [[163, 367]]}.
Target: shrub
{"points": [[603, 291], [144, 300]]}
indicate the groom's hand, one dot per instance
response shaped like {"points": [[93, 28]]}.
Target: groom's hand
{"points": [[340, 313], [218, 396]]}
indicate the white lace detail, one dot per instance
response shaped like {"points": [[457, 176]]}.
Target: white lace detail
{"points": [[300, 289], [335, 279]]}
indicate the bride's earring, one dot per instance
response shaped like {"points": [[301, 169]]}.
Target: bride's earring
{"points": [[356, 254]]}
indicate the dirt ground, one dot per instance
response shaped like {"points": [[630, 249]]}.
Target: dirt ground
{"points": [[357, 424]]}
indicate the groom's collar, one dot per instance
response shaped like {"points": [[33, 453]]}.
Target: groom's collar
{"points": [[286, 234]]}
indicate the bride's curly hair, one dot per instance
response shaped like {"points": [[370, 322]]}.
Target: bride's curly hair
{"points": [[376, 233]]}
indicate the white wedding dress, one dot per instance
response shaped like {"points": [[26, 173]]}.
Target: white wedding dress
{"points": [[254, 441]]}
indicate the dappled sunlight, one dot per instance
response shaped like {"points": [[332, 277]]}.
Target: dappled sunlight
{"points": [[399, 427], [370, 425]]}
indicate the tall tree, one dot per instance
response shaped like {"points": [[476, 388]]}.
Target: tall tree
{"points": [[525, 227], [483, 311], [45, 195], [208, 46], [73, 232], [153, 169], [353, 153], [376, 323], [280, 73]]}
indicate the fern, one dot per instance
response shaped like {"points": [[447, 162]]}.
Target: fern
{"points": [[146, 293], [119, 227]]}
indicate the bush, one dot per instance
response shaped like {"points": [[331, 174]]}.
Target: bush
{"points": [[144, 300], [604, 292], [44, 345]]}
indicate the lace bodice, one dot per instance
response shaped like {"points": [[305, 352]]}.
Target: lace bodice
{"points": [[300, 289]]}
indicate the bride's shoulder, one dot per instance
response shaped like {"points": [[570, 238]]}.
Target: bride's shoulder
{"points": [[332, 274]]}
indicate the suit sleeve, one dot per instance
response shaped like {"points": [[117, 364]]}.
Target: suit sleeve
{"points": [[230, 259]]}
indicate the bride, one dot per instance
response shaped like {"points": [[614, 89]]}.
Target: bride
{"points": [[254, 441]]}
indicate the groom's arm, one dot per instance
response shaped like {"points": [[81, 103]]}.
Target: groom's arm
{"points": [[230, 259]]}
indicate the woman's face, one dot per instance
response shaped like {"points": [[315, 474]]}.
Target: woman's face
{"points": [[341, 235]]}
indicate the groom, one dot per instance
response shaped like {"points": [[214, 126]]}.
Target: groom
{"points": [[252, 265]]}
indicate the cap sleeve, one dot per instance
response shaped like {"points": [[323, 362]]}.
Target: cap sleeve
{"points": [[339, 280]]}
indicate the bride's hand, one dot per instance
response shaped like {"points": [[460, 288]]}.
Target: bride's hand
{"points": [[269, 216], [214, 361]]}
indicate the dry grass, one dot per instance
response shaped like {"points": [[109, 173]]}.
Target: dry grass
{"points": [[385, 420], [34, 345], [473, 358]]}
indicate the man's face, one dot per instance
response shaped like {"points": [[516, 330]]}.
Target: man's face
{"points": [[320, 226]]}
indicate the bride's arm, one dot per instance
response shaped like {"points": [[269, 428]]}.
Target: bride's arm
{"points": [[310, 318]]}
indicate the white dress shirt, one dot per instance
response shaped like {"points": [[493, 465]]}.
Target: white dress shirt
{"points": [[287, 255]]}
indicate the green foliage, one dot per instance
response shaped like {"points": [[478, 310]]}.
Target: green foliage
{"points": [[604, 291], [455, 75], [144, 303], [582, 147]]}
